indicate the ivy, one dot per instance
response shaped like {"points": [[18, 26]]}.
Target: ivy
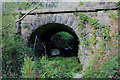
{"points": [[100, 65]]}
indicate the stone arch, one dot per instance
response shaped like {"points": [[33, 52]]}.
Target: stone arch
{"points": [[34, 21], [67, 19], [45, 32]]}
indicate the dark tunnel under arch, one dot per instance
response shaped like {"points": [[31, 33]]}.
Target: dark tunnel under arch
{"points": [[45, 32]]}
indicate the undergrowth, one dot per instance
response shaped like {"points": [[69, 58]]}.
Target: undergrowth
{"points": [[54, 67], [103, 59]]}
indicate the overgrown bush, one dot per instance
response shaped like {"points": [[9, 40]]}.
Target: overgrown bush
{"points": [[55, 67], [103, 61], [13, 48], [27, 67], [15, 64], [118, 5]]}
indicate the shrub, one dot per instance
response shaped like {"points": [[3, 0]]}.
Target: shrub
{"points": [[13, 48], [27, 67], [56, 67], [103, 61]]}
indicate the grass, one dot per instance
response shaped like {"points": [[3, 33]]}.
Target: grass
{"points": [[56, 67], [113, 15], [81, 3]]}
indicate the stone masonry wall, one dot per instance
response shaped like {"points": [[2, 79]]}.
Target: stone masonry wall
{"points": [[32, 22]]}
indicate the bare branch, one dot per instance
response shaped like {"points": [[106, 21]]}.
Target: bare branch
{"points": [[28, 13], [23, 15], [6, 26]]}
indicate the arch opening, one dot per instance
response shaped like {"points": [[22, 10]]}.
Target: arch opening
{"points": [[41, 40]]}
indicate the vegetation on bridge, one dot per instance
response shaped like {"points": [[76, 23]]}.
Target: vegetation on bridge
{"points": [[103, 60]]}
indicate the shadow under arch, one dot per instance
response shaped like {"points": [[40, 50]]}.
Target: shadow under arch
{"points": [[45, 32]]}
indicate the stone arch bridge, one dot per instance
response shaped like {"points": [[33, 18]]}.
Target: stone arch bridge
{"points": [[45, 26], [45, 23]]}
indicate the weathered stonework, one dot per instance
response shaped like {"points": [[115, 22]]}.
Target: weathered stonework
{"points": [[32, 22]]}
